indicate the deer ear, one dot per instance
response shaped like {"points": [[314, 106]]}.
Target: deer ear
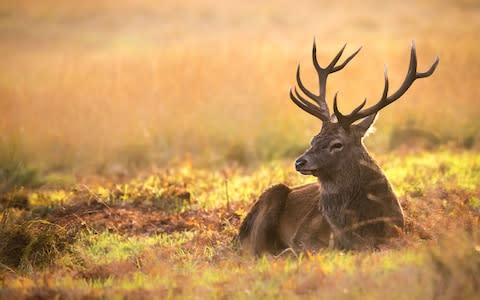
{"points": [[366, 124]]}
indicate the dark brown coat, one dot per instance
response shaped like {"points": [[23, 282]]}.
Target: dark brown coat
{"points": [[353, 203]]}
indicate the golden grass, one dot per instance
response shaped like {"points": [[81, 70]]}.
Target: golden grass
{"points": [[108, 86], [119, 240], [99, 82]]}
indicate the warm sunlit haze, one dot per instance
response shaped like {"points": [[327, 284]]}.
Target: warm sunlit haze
{"points": [[136, 135], [105, 82]]}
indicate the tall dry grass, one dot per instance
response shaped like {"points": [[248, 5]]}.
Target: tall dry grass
{"points": [[94, 83]]}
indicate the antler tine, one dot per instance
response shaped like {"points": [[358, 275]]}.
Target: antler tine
{"points": [[386, 84], [335, 59], [306, 105], [322, 77], [411, 76], [314, 57], [350, 118], [321, 111], [346, 119], [346, 61], [303, 88]]}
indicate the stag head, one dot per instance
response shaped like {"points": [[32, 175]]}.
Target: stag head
{"points": [[339, 141]]}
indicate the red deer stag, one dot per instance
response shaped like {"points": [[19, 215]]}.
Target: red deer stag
{"points": [[352, 199]]}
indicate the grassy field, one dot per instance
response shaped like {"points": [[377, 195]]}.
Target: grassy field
{"points": [[84, 88], [168, 234], [135, 135]]}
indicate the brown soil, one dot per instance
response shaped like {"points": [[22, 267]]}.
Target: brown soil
{"points": [[134, 220]]}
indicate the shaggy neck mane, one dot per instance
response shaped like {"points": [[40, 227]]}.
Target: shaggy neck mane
{"points": [[355, 178]]}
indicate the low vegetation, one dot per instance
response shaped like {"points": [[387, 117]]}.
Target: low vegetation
{"points": [[135, 135], [111, 89], [170, 233]]}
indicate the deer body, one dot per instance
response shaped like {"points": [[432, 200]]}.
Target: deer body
{"points": [[352, 201], [360, 206], [301, 227], [285, 218], [356, 205]]}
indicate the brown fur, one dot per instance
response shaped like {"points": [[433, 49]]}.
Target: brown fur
{"points": [[360, 213], [285, 218], [353, 200]]}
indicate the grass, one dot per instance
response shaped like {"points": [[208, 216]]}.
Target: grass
{"points": [[32, 244], [14, 169], [188, 252], [135, 136], [156, 89]]}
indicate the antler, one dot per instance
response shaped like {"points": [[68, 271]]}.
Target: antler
{"points": [[321, 110], [412, 75]]}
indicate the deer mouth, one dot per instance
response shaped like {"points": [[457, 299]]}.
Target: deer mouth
{"points": [[308, 172]]}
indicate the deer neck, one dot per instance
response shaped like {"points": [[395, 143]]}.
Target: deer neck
{"points": [[353, 180]]}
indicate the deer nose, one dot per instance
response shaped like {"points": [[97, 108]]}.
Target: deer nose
{"points": [[299, 163]]}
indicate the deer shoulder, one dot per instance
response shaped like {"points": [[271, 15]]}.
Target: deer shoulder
{"points": [[353, 199]]}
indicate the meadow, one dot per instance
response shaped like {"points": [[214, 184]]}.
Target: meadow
{"points": [[135, 135]]}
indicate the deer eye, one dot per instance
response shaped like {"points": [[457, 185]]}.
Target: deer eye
{"points": [[335, 147]]}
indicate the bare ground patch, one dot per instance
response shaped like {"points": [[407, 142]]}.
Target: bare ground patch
{"points": [[130, 219]]}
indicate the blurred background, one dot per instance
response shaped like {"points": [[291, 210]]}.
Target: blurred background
{"points": [[101, 86]]}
